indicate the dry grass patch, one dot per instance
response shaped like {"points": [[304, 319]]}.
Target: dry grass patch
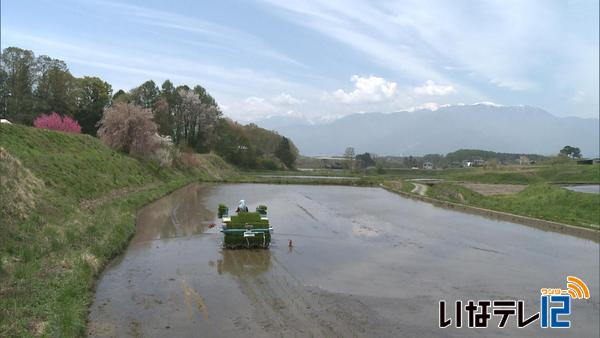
{"points": [[18, 187], [495, 189]]}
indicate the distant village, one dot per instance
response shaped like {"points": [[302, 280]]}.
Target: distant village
{"points": [[455, 160]]}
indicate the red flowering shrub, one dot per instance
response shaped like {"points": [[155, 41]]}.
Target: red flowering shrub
{"points": [[56, 122]]}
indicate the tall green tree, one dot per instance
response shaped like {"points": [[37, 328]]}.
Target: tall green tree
{"points": [[233, 145], [4, 93], [169, 93], [162, 117], [285, 152], [204, 96], [165, 106], [194, 122], [121, 96], [56, 88], [181, 88], [145, 95], [93, 96], [365, 160], [572, 152], [18, 68]]}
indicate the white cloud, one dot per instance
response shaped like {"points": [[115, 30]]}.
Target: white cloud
{"points": [[488, 103], [221, 36], [579, 97], [435, 106], [254, 108], [539, 39], [257, 104], [515, 85], [125, 69], [286, 99], [429, 105], [431, 88], [370, 89], [380, 32]]}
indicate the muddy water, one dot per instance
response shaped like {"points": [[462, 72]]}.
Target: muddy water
{"points": [[364, 262], [310, 177], [587, 188]]}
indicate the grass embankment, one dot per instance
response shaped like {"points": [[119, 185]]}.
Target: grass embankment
{"points": [[67, 206], [286, 179], [540, 200], [543, 198], [553, 174], [525, 175]]}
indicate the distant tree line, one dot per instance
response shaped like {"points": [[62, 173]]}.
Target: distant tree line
{"points": [[476, 154], [456, 158], [249, 146], [31, 86], [188, 115]]}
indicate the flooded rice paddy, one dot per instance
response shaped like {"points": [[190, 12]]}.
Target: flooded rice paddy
{"points": [[314, 177], [587, 188], [364, 262]]}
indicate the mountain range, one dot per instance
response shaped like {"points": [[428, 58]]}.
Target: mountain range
{"points": [[515, 129]]}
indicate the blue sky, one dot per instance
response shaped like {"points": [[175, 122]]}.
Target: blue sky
{"points": [[321, 60]]}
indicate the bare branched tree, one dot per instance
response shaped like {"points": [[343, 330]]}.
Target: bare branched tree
{"points": [[349, 155]]}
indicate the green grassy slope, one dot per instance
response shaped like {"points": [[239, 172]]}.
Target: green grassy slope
{"points": [[78, 166], [559, 173], [68, 207], [540, 200], [571, 173]]}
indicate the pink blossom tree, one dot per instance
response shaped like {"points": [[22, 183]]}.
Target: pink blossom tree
{"points": [[129, 128], [56, 122]]}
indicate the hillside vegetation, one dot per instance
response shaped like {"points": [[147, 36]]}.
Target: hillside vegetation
{"points": [[476, 154], [39, 89], [68, 206], [561, 173], [542, 195], [538, 200], [17, 193]]}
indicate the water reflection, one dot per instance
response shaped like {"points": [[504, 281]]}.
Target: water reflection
{"points": [[180, 214], [586, 188], [243, 263]]}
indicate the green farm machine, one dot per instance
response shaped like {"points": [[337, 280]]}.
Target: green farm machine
{"points": [[245, 229]]}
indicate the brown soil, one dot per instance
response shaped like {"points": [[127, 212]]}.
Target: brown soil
{"points": [[495, 189]]}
